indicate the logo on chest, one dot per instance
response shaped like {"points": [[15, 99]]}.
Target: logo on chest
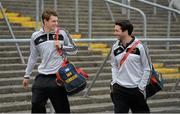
{"points": [[134, 51], [118, 51]]}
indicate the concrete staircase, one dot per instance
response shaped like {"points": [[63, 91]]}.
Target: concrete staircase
{"points": [[13, 98], [102, 24]]}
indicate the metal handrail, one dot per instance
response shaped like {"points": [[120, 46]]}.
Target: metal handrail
{"points": [[96, 40], [12, 33], [86, 94], [132, 8], [163, 7]]}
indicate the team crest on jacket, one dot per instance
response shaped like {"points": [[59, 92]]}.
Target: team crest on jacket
{"points": [[54, 36]]}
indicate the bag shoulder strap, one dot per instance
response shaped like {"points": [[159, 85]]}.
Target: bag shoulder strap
{"points": [[59, 50], [129, 51]]}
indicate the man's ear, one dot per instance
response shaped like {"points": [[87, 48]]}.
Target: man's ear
{"points": [[126, 31], [45, 21]]}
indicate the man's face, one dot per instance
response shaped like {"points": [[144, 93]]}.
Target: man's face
{"points": [[118, 32], [52, 23]]}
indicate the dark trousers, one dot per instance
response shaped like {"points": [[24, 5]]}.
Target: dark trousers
{"points": [[44, 87], [128, 98]]}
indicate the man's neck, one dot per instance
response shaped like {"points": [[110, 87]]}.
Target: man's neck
{"points": [[126, 40], [46, 29]]}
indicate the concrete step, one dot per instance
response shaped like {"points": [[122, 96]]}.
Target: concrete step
{"points": [[78, 99], [13, 85], [18, 81], [26, 47], [172, 109], [26, 53], [81, 52], [17, 70], [17, 73], [13, 97], [169, 86], [18, 28], [108, 106], [168, 109], [165, 56], [164, 102], [17, 32], [102, 80], [98, 107], [173, 65], [100, 98], [162, 51], [12, 89], [105, 33], [90, 63], [156, 46], [168, 61], [19, 66], [15, 106], [103, 24]]}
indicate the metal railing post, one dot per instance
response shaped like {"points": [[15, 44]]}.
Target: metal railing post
{"points": [[90, 21], [37, 15], [77, 16], [124, 10], [55, 5], [168, 29], [12, 33], [169, 25], [155, 9], [86, 94], [42, 6], [42, 10], [129, 11]]}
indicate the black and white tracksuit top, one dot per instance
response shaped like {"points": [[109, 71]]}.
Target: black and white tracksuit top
{"points": [[43, 45], [135, 71]]}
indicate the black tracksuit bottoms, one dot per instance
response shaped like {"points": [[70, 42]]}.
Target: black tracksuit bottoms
{"points": [[128, 98], [44, 87]]}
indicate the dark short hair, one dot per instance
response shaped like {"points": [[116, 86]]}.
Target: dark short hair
{"points": [[125, 25], [47, 14]]}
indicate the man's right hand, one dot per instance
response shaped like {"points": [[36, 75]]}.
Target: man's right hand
{"points": [[25, 83]]}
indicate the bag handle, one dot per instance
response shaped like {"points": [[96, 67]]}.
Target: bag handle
{"points": [[80, 71], [129, 51]]}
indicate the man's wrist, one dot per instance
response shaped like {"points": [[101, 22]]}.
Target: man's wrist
{"points": [[26, 77]]}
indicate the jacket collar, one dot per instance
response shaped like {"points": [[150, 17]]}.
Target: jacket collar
{"points": [[127, 44]]}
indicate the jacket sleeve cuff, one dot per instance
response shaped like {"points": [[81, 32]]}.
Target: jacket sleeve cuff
{"points": [[27, 77]]}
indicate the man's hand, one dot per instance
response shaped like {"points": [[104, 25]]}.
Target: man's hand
{"points": [[25, 83]]}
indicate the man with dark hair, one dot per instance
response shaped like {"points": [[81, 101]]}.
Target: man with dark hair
{"points": [[129, 78], [44, 85]]}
